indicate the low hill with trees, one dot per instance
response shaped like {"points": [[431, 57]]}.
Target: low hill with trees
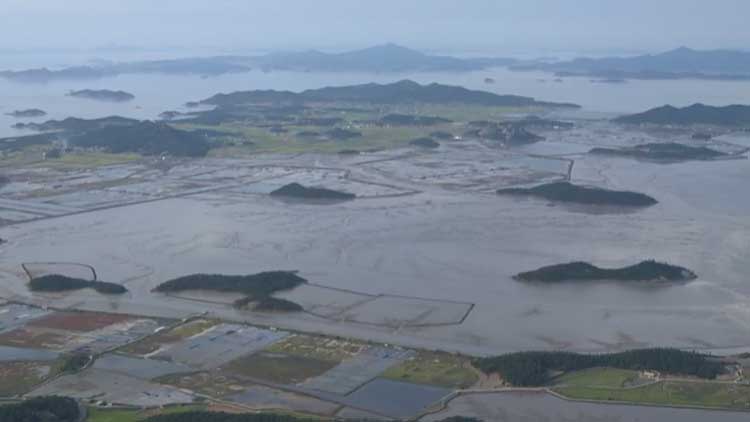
{"points": [[146, 137], [296, 190], [61, 283], [531, 369], [696, 114], [583, 271], [667, 151], [568, 192], [102, 95]]}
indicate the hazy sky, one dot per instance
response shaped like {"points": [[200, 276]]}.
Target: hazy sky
{"points": [[509, 26]]}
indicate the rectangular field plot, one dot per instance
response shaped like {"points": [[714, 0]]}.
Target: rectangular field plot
{"points": [[139, 368], [152, 344], [10, 354], [72, 331], [113, 388], [260, 397], [396, 399], [358, 370], [21, 376], [277, 368], [13, 315], [219, 345], [78, 321]]}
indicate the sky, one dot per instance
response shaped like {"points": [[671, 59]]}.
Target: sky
{"points": [[496, 26]]}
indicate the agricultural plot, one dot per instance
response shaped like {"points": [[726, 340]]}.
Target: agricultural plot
{"points": [[68, 331], [266, 398], [113, 388], [14, 315], [21, 376], [218, 345], [396, 399], [277, 368], [164, 338], [439, 369], [146, 369], [352, 373]]}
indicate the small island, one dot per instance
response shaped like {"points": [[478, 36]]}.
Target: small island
{"points": [[61, 283], [666, 152], [568, 192], [583, 271], [295, 190], [27, 114], [102, 95], [424, 142], [257, 288]]}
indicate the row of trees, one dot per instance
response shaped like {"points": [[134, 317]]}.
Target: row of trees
{"points": [[528, 369], [41, 409]]}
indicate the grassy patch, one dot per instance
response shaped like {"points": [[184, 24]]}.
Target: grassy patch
{"points": [[112, 415], [84, 160], [314, 347], [440, 369], [20, 377], [672, 393], [598, 377], [133, 415], [279, 368], [211, 383]]}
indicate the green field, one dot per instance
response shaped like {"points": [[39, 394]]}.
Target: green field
{"points": [[599, 378], [20, 377], [316, 347], [133, 415], [439, 369], [671, 393], [278, 368]]}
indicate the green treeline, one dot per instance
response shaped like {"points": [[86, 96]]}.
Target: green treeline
{"points": [[41, 409], [527, 369]]}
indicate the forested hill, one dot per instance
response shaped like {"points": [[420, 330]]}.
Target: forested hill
{"points": [[731, 115], [403, 92]]}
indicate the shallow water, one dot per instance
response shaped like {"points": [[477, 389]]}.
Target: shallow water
{"points": [[441, 244], [156, 93]]}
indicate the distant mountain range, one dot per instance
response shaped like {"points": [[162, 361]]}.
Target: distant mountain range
{"points": [[378, 59], [696, 114], [388, 58], [381, 58], [681, 63]]}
